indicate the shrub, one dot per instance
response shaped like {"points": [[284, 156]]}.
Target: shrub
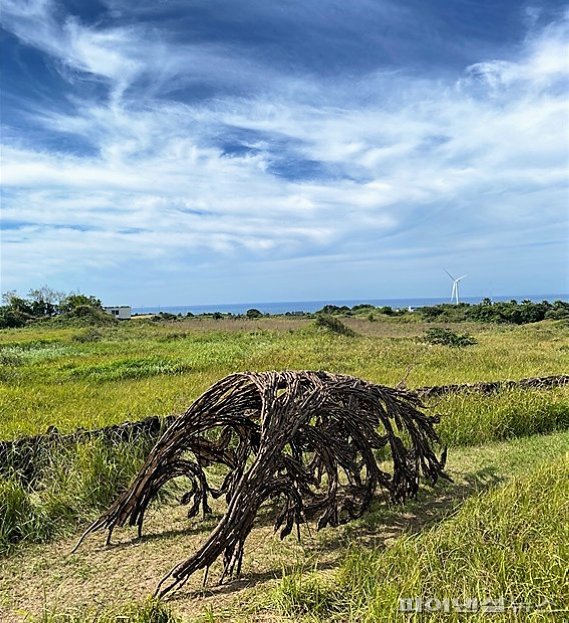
{"points": [[11, 357], [253, 313], [85, 315], [446, 337], [164, 316], [334, 309], [72, 302], [333, 325]]}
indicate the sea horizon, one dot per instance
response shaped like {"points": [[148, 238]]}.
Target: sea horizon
{"points": [[282, 307]]}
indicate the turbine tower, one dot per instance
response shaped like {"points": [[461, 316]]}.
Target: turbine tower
{"points": [[454, 298]]}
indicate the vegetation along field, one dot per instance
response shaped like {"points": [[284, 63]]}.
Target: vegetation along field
{"points": [[499, 531]]}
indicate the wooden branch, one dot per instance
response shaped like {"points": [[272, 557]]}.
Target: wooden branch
{"points": [[307, 440]]}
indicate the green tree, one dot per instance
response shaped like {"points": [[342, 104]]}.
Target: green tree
{"points": [[73, 301], [253, 313], [44, 301]]}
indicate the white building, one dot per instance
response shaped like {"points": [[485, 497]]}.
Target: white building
{"points": [[120, 312]]}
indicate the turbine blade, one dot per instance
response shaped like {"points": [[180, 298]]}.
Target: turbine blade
{"points": [[463, 276], [446, 271]]}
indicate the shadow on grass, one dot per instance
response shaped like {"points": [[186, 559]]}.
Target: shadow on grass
{"points": [[247, 580], [386, 521], [192, 529], [376, 529]]}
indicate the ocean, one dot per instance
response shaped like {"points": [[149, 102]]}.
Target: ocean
{"points": [[283, 307]]}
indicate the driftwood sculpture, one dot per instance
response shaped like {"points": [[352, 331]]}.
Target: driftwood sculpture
{"points": [[312, 442]]}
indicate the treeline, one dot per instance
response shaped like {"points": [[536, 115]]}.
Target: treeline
{"points": [[45, 303], [510, 312]]}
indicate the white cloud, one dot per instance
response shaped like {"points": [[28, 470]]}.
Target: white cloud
{"points": [[433, 160]]}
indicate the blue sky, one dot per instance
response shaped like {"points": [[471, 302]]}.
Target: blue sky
{"points": [[211, 151]]}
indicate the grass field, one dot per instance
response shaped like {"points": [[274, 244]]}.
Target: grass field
{"points": [[70, 377], [500, 530]]}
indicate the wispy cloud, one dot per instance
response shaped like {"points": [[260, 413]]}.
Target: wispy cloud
{"points": [[276, 167]]}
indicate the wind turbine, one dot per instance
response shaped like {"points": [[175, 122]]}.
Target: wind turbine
{"points": [[454, 292]]}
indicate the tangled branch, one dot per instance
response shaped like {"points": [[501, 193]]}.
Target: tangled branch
{"points": [[313, 442]]}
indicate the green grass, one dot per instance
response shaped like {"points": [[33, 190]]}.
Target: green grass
{"points": [[511, 542], [314, 590], [80, 481], [75, 485], [473, 419], [130, 368], [499, 530], [49, 377]]}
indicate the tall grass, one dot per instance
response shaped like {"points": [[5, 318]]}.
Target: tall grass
{"points": [[510, 543], [74, 486], [474, 419]]}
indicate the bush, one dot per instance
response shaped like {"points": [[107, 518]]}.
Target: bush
{"points": [[164, 316], [72, 302], [83, 315], [334, 309], [510, 312], [89, 335], [253, 313], [446, 337], [13, 318], [333, 325]]}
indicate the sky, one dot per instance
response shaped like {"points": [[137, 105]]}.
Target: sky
{"points": [[181, 152]]}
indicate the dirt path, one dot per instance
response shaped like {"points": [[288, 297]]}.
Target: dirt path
{"points": [[48, 577]]}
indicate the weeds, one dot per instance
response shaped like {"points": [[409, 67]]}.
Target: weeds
{"points": [[510, 541], [63, 382], [89, 335], [128, 369], [20, 517], [302, 593], [11, 357]]}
